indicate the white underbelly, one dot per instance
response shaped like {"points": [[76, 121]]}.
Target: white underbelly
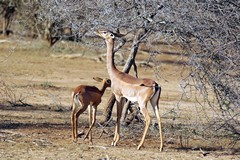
{"points": [[132, 99]]}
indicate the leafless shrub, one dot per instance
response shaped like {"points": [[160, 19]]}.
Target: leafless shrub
{"points": [[213, 47], [11, 97]]}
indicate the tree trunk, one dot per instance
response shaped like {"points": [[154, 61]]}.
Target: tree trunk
{"points": [[130, 61], [7, 19]]}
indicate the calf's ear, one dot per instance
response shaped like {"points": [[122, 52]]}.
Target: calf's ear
{"points": [[97, 79]]}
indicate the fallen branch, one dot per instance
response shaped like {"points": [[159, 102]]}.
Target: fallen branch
{"points": [[103, 126]]}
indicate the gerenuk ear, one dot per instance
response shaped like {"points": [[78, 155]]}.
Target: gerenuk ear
{"points": [[109, 81], [112, 36], [119, 35], [97, 79]]}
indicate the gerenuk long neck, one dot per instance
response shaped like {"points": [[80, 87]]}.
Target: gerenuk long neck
{"points": [[103, 88], [110, 58]]}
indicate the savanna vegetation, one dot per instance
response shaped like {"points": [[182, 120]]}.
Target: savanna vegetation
{"points": [[190, 48]]}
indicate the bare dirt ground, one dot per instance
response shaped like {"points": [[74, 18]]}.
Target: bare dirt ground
{"points": [[35, 107]]}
